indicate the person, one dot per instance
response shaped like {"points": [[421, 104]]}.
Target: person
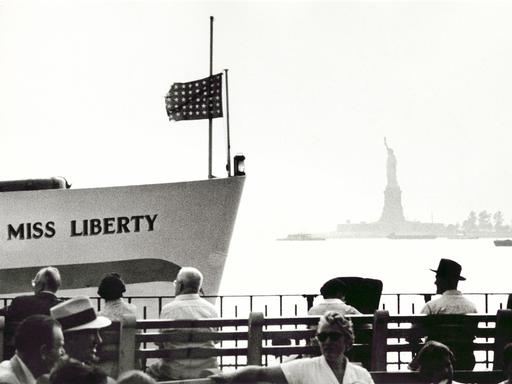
{"points": [[452, 301], [81, 328], [186, 306], [507, 363], [335, 335], [111, 289], [45, 285], [135, 377], [434, 361], [39, 345], [71, 371], [448, 275], [333, 292]]}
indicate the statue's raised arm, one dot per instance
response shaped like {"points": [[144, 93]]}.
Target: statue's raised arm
{"points": [[391, 166]]}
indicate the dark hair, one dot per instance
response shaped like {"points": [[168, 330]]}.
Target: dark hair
{"points": [[431, 351], [333, 287], [111, 287], [507, 355], [71, 371], [34, 332]]}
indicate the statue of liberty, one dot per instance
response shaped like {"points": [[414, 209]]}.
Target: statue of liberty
{"points": [[391, 167]]}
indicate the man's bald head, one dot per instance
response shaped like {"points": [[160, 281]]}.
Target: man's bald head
{"points": [[190, 279]]}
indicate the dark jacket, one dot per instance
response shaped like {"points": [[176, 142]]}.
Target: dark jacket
{"points": [[22, 307]]}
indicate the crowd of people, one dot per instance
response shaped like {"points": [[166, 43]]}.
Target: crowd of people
{"points": [[55, 341]]}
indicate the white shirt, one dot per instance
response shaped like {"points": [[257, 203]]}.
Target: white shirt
{"points": [[316, 370], [186, 307], [450, 302], [14, 371], [332, 305], [115, 309]]}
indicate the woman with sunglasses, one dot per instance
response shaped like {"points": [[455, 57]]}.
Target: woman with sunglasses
{"points": [[335, 335]]}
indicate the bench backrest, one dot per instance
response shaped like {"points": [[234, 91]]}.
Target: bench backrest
{"points": [[147, 339], [402, 335], [281, 337]]}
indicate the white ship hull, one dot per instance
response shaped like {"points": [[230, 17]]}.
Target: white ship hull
{"points": [[144, 232]]}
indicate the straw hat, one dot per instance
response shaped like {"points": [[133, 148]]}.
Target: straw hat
{"points": [[78, 313]]}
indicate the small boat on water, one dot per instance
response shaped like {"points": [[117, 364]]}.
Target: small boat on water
{"points": [[394, 236], [503, 243], [301, 237]]}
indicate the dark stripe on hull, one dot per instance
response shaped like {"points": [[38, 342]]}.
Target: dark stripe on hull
{"points": [[13, 280]]}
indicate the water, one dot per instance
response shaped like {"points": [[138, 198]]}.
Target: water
{"points": [[291, 267]]}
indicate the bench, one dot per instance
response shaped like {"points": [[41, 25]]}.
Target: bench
{"points": [[143, 340], [280, 337], [488, 377], [393, 336]]}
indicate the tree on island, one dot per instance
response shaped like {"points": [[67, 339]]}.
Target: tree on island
{"points": [[484, 221], [469, 225], [498, 221]]}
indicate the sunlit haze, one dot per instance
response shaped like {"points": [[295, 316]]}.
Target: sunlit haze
{"points": [[314, 88]]}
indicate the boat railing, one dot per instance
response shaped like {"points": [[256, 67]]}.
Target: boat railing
{"points": [[149, 307]]}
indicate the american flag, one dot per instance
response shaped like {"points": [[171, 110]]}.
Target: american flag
{"points": [[200, 99]]}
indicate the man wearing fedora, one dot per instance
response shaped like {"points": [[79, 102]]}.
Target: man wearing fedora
{"points": [[452, 301], [457, 334], [81, 328]]}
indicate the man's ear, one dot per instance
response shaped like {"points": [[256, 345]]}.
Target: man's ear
{"points": [[43, 352]]}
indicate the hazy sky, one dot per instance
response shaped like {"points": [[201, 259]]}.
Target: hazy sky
{"points": [[314, 88]]}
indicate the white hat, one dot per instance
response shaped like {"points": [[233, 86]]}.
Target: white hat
{"points": [[78, 313]]}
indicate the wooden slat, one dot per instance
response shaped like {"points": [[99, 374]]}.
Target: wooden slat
{"points": [[183, 336], [189, 353], [202, 323], [289, 334]]}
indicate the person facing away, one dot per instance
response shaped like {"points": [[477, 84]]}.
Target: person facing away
{"points": [[435, 363], [111, 289], [452, 301], [39, 345], [448, 275], [71, 371], [45, 285], [186, 306], [135, 377], [333, 292], [81, 328], [335, 335], [507, 363]]}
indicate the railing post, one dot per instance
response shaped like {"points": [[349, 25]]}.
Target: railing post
{"points": [[127, 343], [2, 330], [503, 336], [309, 299], [379, 341], [255, 338]]}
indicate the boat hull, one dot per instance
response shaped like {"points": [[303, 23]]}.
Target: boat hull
{"points": [[145, 232]]}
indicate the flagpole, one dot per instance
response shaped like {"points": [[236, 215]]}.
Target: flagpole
{"points": [[210, 175], [228, 165]]}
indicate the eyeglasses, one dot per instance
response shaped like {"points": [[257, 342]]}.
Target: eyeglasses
{"points": [[333, 336]]}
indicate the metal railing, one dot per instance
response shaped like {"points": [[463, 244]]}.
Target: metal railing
{"points": [[298, 304]]}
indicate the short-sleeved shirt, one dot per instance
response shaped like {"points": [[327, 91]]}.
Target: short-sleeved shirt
{"points": [[332, 305], [186, 307], [316, 370], [451, 302]]}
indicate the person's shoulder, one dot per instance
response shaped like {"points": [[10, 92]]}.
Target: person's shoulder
{"points": [[7, 375]]}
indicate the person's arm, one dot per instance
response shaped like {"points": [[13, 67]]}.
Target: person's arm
{"points": [[252, 374]]}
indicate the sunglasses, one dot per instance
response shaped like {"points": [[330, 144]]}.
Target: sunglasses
{"points": [[333, 336]]}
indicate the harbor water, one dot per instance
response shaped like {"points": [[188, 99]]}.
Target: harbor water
{"points": [[290, 267]]}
